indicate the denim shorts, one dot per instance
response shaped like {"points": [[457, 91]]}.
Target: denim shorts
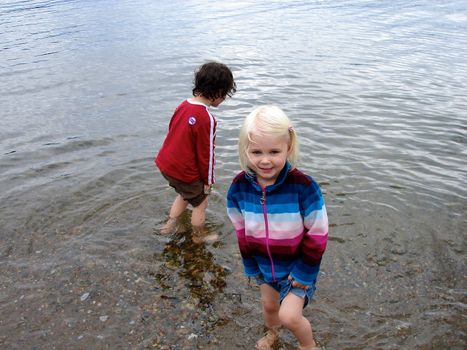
{"points": [[284, 287]]}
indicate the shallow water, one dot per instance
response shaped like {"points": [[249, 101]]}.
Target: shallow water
{"points": [[377, 94]]}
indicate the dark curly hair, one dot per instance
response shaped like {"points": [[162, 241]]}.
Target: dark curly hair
{"points": [[214, 80]]}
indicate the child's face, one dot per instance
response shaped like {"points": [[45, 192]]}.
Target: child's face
{"points": [[266, 157]]}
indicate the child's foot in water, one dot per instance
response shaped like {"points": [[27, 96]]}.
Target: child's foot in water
{"points": [[269, 339], [311, 347], [170, 227], [201, 235]]}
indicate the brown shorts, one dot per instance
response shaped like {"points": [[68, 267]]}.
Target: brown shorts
{"points": [[193, 192]]}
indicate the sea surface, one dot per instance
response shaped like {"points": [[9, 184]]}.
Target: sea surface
{"points": [[377, 91]]}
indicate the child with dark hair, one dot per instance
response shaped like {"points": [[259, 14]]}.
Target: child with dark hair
{"points": [[186, 158]]}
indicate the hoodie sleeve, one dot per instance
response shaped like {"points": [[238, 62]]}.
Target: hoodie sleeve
{"points": [[314, 242], [205, 137], [236, 216]]}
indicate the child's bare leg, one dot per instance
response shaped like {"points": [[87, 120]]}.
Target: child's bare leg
{"points": [[198, 215], [291, 317], [178, 207], [270, 305]]}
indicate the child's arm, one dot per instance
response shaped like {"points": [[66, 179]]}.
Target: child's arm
{"points": [[235, 214], [205, 135], [314, 242]]}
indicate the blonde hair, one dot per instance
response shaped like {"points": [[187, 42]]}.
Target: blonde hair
{"points": [[270, 121]]}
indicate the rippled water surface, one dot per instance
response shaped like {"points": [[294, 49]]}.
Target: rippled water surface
{"points": [[377, 92]]}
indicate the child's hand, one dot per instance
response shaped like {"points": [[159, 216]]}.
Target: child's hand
{"points": [[297, 284], [207, 189]]}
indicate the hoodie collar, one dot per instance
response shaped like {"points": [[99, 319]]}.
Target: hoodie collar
{"points": [[280, 179]]}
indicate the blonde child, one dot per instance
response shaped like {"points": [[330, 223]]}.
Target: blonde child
{"points": [[280, 220], [186, 158]]}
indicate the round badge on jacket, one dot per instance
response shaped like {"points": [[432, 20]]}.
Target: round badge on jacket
{"points": [[192, 120]]}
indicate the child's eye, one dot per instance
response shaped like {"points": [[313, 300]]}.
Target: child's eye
{"points": [[256, 152]]}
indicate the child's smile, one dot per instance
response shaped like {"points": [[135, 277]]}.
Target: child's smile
{"points": [[266, 157]]}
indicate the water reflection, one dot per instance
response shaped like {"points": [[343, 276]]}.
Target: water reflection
{"points": [[195, 267]]}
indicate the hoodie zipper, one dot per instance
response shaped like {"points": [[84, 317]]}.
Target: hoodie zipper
{"points": [[266, 227]]}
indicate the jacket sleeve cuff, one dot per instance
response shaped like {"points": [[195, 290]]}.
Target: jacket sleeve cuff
{"points": [[305, 274]]}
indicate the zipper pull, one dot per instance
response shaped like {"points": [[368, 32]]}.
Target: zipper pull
{"points": [[263, 198]]}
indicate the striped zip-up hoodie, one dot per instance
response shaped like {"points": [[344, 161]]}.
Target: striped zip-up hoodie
{"points": [[282, 229]]}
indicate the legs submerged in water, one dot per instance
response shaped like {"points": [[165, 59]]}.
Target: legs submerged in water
{"points": [[178, 207], [198, 217], [202, 235]]}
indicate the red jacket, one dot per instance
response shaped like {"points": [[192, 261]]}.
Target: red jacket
{"points": [[187, 153]]}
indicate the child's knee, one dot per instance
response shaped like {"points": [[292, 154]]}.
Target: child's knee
{"points": [[270, 306], [289, 318]]}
